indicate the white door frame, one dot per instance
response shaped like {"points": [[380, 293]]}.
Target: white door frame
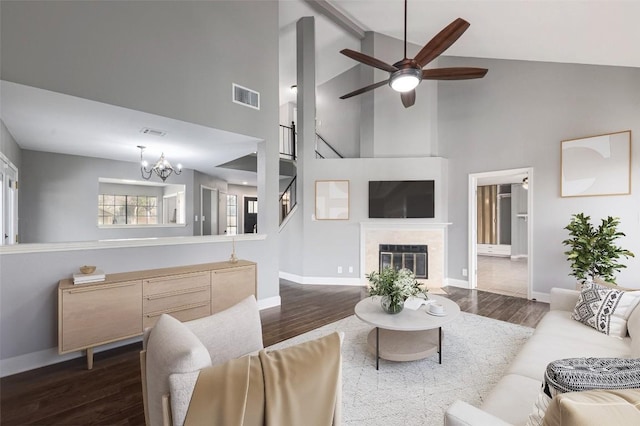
{"points": [[9, 202], [473, 224]]}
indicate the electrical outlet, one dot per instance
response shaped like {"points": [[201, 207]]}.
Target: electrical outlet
{"points": [[351, 269], [464, 272], [339, 269], [196, 218]]}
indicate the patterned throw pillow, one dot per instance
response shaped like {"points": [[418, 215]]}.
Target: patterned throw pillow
{"points": [[605, 309], [583, 374]]}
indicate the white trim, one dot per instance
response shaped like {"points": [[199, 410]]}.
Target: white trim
{"points": [[38, 359], [473, 224], [50, 356], [457, 283], [131, 242], [322, 280], [269, 302], [541, 297]]}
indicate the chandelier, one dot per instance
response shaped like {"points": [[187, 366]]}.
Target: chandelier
{"points": [[162, 167]]}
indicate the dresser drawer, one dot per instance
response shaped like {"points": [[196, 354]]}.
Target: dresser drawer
{"points": [[182, 313], [176, 298], [174, 283]]}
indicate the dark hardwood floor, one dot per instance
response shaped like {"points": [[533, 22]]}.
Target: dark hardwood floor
{"points": [[110, 394]]}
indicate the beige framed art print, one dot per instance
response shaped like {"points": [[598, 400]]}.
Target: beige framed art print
{"points": [[596, 165], [332, 200]]}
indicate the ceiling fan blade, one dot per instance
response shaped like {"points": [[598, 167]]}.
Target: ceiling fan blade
{"points": [[368, 60], [365, 89], [460, 73], [408, 98], [441, 42]]}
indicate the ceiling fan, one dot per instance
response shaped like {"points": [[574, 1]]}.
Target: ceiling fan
{"points": [[406, 74]]}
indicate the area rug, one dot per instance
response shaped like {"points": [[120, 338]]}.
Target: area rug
{"points": [[475, 354]]}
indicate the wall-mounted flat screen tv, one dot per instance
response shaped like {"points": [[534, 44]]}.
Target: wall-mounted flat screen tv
{"points": [[401, 199]]}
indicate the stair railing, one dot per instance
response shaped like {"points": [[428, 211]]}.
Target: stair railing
{"points": [[288, 199]]}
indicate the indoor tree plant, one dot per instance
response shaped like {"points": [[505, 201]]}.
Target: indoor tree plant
{"points": [[592, 251], [395, 286]]}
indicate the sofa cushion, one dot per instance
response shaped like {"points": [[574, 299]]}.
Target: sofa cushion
{"points": [[595, 408], [512, 398], [604, 308], [558, 336], [171, 348], [232, 333]]}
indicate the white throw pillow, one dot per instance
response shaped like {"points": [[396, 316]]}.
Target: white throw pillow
{"points": [[605, 309], [171, 348]]}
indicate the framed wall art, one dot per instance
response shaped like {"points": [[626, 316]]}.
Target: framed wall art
{"points": [[332, 200], [596, 165]]}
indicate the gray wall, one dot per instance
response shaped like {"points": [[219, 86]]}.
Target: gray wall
{"points": [[516, 117], [393, 130], [9, 147], [59, 193], [176, 59], [339, 119]]}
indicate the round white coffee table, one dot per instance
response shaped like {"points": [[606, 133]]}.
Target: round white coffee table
{"points": [[409, 335]]}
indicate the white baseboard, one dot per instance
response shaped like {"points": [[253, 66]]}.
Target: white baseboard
{"points": [[322, 280], [269, 302], [457, 283], [34, 360], [541, 297], [50, 356]]}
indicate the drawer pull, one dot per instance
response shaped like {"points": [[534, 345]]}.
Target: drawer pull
{"points": [[176, 309], [176, 293], [86, 289], [175, 277], [227, 271]]}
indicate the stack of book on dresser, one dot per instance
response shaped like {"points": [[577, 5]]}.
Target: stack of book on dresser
{"points": [[95, 277]]}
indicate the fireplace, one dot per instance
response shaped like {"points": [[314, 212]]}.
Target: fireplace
{"points": [[410, 256]]}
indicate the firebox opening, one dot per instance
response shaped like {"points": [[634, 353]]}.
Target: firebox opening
{"points": [[412, 257]]}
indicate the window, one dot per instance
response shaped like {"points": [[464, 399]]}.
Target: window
{"points": [[232, 214], [127, 209], [252, 207]]}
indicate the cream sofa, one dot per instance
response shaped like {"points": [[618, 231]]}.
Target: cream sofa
{"points": [[174, 353], [557, 336]]}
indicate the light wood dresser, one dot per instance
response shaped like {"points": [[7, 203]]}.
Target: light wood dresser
{"points": [[123, 305]]}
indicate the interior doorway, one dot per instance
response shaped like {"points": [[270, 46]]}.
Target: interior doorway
{"points": [[250, 215], [208, 211], [500, 237]]}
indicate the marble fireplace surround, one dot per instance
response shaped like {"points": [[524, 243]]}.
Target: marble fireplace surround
{"points": [[372, 234]]}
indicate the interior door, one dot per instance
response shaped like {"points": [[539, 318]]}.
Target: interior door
{"points": [[250, 215]]}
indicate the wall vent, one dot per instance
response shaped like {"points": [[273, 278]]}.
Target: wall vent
{"points": [[153, 132], [246, 97]]}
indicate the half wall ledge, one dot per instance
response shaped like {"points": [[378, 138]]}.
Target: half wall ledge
{"points": [[123, 243]]}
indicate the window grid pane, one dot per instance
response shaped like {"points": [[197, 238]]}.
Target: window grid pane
{"points": [[127, 209]]}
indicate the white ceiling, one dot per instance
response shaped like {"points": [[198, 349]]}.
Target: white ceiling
{"points": [[604, 32], [587, 32]]}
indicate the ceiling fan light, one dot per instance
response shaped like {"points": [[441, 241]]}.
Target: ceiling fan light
{"points": [[405, 80]]}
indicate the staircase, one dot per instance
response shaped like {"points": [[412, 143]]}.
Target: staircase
{"points": [[288, 151]]}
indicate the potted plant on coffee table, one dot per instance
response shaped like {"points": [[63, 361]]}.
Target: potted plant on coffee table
{"points": [[395, 286], [592, 251]]}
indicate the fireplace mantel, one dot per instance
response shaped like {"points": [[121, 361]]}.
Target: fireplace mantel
{"points": [[403, 231]]}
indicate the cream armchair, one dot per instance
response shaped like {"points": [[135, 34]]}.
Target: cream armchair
{"points": [[174, 353]]}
